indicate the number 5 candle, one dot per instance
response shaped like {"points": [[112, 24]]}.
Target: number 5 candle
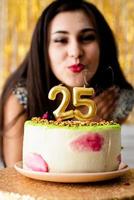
{"points": [[78, 92]]}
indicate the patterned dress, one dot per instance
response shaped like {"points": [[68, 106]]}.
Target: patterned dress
{"points": [[20, 92], [124, 105]]}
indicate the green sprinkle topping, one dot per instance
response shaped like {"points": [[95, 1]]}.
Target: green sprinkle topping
{"points": [[71, 123]]}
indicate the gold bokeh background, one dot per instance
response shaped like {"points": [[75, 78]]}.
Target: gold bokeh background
{"points": [[18, 18]]}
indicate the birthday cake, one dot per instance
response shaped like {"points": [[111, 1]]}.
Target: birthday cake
{"points": [[71, 146]]}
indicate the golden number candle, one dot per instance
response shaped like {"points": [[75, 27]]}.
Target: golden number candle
{"points": [[60, 111], [78, 92], [78, 100]]}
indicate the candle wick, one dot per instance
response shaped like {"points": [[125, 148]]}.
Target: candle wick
{"points": [[85, 78]]}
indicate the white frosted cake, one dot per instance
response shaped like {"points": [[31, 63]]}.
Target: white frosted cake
{"points": [[71, 146]]}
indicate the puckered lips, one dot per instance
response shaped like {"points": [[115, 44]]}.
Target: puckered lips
{"points": [[76, 68]]}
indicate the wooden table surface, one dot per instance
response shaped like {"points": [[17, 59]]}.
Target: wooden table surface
{"points": [[14, 186]]}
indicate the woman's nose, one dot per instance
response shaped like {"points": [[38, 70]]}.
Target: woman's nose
{"points": [[75, 50]]}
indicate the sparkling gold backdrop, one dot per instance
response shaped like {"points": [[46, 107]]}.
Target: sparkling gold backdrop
{"points": [[18, 18]]}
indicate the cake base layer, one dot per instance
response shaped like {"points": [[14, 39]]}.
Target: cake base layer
{"points": [[94, 148]]}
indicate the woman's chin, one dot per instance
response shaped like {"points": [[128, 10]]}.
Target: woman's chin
{"points": [[75, 84]]}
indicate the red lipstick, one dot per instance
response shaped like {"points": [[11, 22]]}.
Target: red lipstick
{"points": [[76, 68]]}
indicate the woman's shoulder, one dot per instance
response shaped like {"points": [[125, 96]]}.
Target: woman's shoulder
{"points": [[127, 97], [12, 109], [125, 104]]}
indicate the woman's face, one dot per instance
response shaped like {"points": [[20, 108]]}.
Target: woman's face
{"points": [[73, 48]]}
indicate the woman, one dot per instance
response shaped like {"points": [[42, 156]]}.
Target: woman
{"points": [[72, 44]]}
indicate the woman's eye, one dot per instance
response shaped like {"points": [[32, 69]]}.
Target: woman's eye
{"points": [[61, 40], [87, 38]]}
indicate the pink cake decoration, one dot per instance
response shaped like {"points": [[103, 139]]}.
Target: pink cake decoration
{"points": [[35, 162], [88, 142]]}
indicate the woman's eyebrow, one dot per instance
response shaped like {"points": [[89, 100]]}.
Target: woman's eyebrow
{"points": [[88, 30], [62, 32]]}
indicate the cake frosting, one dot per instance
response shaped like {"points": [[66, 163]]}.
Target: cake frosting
{"points": [[71, 146]]}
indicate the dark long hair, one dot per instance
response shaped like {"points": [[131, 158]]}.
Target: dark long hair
{"points": [[35, 68]]}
